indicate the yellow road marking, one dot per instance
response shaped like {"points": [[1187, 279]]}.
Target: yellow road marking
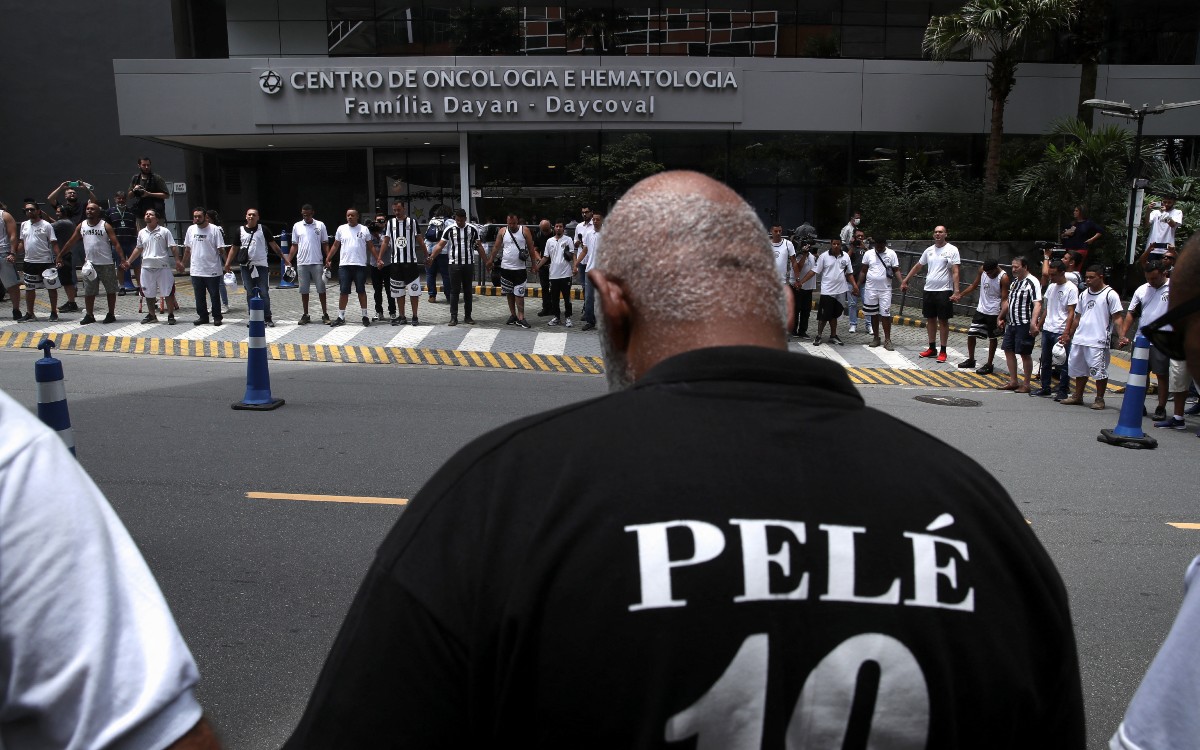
{"points": [[1192, 526], [328, 498]]}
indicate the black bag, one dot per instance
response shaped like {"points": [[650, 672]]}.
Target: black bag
{"points": [[243, 254]]}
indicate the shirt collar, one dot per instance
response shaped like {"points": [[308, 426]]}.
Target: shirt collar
{"points": [[751, 364]]}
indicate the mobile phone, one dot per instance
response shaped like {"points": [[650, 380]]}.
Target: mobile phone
{"points": [[73, 184]]}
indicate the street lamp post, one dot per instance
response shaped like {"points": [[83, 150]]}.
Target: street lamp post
{"points": [[1123, 109]]}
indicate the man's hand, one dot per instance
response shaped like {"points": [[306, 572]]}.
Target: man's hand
{"points": [[904, 285], [1034, 328], [955, 297]]}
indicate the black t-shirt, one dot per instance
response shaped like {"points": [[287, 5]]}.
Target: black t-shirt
{"points": [[855, 253], [1084, 231], [152, 183], [703, 561], [124, 223]]}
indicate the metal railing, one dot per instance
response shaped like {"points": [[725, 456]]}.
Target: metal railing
{"points": [[965, 306]]}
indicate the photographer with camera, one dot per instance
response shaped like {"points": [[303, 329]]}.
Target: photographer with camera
{"points": [[70, 206], [147, 190], [1160, 231]]}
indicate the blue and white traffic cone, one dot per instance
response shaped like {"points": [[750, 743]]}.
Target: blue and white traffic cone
{"points": [[1128, 432], [284, 283], [258, 380], [52, 395]]}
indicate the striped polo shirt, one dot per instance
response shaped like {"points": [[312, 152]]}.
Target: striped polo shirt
{"points": [[460, 243]]}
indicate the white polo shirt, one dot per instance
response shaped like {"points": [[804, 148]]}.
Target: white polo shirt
{"points": [[937, 262], [307, 237]]}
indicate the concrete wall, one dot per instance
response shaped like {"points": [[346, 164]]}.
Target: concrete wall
{"points": [[60, 103]]}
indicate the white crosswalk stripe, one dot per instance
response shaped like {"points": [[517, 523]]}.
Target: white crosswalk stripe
{"points": [[133, 329], [550, 343], [954, 356], [894, 360], [410, 336], [825, 350], [341, 335], [279, 331], [208, 330], [479, 340]]}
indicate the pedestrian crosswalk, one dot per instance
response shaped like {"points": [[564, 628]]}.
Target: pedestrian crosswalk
{"points": [[465, 345]]}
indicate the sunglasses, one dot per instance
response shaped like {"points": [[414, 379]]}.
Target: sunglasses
{"points": [[1170, 341]]}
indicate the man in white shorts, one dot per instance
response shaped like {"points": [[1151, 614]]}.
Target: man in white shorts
{"points": [[156, 248], [310, 244], [880, 265], [1099, 309], [99, 242]]}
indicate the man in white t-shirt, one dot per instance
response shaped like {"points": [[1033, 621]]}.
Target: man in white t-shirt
{"points": [[1160, 229], [1061, 298], [587, 258], [99, 242], [202, 254], [941, 281], [353, 241], [254, 240], [837, 277], [1147, 305], [310, 244], [9, 278], [786, 266], [560, 252], [37, 242], [992, 284], [156, 248], [91, 657], [1098, 310], [879, 266]]}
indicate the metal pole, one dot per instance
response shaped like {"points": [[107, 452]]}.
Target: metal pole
{"points": [[1133, 183]]}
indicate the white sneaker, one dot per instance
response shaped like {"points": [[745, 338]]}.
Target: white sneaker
{"points": [[870, 329], [568, 324], [225, 309], [853, 328], [553, 322]]}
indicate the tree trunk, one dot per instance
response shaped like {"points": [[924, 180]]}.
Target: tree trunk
{"points": [[1087, 90], [991, 174]]}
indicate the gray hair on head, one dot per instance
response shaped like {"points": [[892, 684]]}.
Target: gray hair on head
{"points": [[680, 252]]}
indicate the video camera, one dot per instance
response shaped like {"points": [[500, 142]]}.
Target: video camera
{"points": [[1057, 251]]}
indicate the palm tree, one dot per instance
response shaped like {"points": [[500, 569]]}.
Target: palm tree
{"points": [[1087, 42], [1000, 27]]}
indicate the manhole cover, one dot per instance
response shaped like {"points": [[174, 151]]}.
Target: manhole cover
{"points": [[947, 401]]}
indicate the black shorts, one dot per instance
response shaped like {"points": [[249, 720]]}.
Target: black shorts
{"points": [[405, 273], [1159, 364], [937, 305], [1017, 339], [33, 274], [66, 273], [984, 325], [829, 308]]}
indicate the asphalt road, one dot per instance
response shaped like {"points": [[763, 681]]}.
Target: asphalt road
{"points": [[259, 587]]}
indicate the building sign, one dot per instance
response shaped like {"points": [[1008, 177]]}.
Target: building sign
{"points": [[490, 95]]}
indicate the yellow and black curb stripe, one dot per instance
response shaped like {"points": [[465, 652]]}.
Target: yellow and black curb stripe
{"points": [[385, 355], [532, 292], [938, 378], [391, 355]]}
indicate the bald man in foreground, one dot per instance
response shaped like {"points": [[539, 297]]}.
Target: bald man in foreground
{"points": [[685, 576]]}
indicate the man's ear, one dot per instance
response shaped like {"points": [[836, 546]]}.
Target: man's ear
{"points": [[614, 306]]}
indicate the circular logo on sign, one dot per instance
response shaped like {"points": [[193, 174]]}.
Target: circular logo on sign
{"points": [[270, 82]]}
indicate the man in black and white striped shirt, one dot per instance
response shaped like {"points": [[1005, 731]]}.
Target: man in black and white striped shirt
{"points": [[460, 241], [1019, 318], [400, 235]]}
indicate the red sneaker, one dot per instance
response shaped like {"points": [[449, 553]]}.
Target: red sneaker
{"points": [[930, 352], [942, 357]]}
